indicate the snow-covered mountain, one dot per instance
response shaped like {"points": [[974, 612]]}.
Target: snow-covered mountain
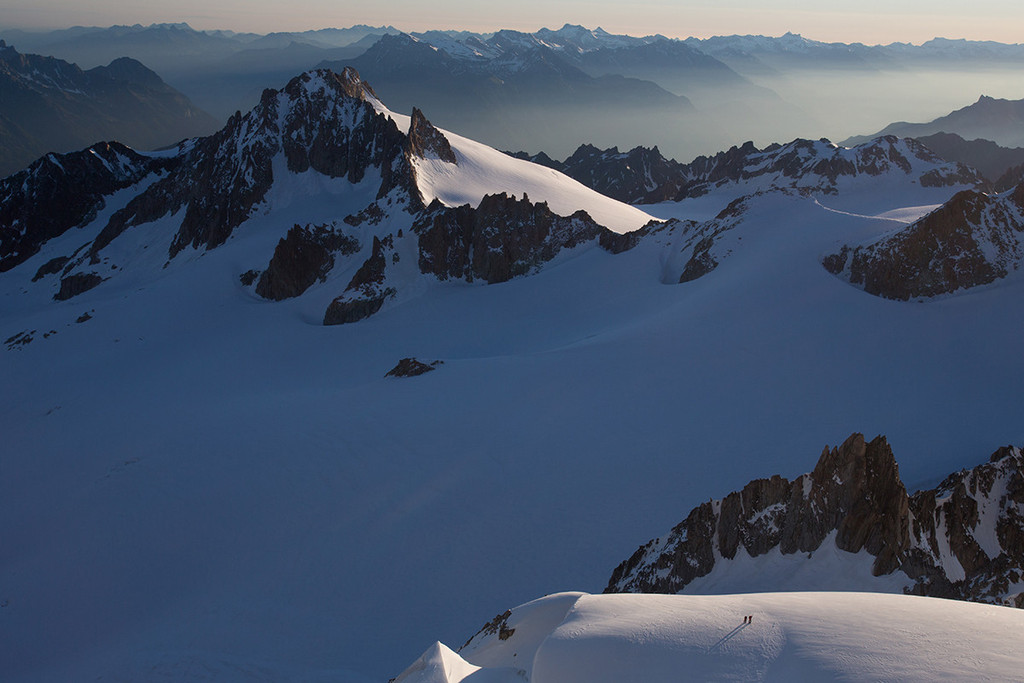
{"points": [[971, 240], [571, 637], [205, 480], [645, 176], [322, 129], [961, 539]]}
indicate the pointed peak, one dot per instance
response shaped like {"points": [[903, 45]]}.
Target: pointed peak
{"points": [[426, 140]]}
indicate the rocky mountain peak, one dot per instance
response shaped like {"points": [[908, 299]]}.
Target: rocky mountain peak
{"points": [[854, 494], [327, 83]]}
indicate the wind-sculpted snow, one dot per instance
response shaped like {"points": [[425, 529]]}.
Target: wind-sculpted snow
{"points": [[963, 540], [574, 637]]}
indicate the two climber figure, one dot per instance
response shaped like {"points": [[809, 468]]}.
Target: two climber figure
{"points": [[748, 619]]}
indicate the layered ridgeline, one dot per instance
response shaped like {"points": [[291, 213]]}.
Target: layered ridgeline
{"points": [[644, 176], [973, 239], [352, 190], [326, 159], [963, 539], [50, 105]]}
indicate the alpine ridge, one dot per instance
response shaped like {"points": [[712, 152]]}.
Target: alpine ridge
{"points": [[963, 539]]}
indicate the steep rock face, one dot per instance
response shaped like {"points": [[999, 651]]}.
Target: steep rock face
{"points": [[502, 238], [639, 176], [366, 291], [303, 256], [979, 515], [425, 139], [62, 191], [973, 239], [964, 539], [321, 121]]}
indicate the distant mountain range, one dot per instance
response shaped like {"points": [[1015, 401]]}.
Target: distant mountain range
{"points": [[998, 120], [596, 87], [49, 105]]}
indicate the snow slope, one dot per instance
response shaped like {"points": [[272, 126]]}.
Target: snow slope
{"points": [[791, 637], [200, 483], [484, 170]]}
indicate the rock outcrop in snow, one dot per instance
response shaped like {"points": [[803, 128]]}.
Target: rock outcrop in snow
{"points": [[501, 238], [973, 239], [302, 257], [964, 539]]}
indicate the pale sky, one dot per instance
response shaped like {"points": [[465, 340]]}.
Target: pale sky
{"points": [[866, 21]]}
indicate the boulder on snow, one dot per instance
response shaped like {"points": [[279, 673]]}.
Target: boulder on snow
{"points": [[411, 367]]}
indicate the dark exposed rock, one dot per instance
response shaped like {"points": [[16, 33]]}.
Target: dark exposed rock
{"points": [[497, 625], [303, 256], [84, 317], [51, 267], [73, 285], [321, 121], [411, 367], [617, 243], [500, 239], [16, 341], [701, 262], [640, 175], [249, 277], [365, 293], [973, 239], [63, 191], [855, 493], [425, 139]]}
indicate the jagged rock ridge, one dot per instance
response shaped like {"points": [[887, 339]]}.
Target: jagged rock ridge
{"points": [[645, 176], [320, 121], [62, 191], [963, 539], [971, 240]]}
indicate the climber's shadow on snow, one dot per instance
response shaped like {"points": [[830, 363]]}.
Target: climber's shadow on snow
{"points": [[727, 637]]}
